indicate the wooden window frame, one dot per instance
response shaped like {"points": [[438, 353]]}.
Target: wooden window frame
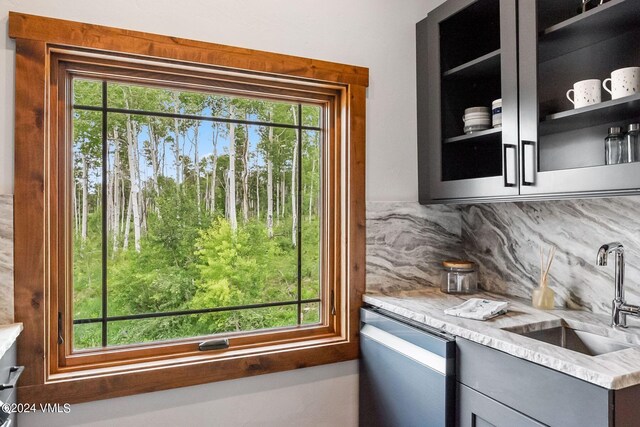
{"points": [[48, 51]]}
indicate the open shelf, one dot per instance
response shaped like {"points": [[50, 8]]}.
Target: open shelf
{"points": [[475, 136], [604, 112], [479, 67], [472, 32], [601, 23], [479, 157]]}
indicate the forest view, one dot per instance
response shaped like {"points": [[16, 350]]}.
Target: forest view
{"points": [[208, 202]]}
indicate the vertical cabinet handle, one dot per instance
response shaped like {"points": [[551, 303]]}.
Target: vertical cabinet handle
{"points": [[528, 162], [509, 157]]}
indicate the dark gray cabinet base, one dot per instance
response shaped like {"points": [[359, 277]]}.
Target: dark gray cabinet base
{"points": [[477, 410], [513, 387]]}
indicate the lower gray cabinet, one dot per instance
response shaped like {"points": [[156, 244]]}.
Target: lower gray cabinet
{"points": [[496, 388], [477, 410]]}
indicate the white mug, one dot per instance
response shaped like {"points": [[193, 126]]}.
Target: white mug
{"points": [[624, 82], [585, 93]]}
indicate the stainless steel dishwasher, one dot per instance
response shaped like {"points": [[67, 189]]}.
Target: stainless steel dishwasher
{"points": [[407, 372]]}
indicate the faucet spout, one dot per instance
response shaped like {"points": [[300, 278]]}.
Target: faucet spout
{"points": [[601, 258], [620, 308], [605, 250]]}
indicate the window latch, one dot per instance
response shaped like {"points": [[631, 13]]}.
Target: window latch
{"points": [[219, 344], [60, 339]]}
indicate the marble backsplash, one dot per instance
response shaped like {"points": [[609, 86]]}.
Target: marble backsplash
{"points": [[6, 259], [406, 243], [505, 239]]}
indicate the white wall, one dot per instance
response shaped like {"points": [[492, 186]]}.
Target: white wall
{"points": [[378, 34], [321, 396]]}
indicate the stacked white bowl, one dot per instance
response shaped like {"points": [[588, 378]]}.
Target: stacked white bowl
{"points": [[476, 118]]}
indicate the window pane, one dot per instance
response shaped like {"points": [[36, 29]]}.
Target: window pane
{"points": [[268, 111], [87, 214], [166, 328], [311, 115], [157, 329], [133, 97], [200, 214], [310, 222], [161, 100], [87, 335], [87, 92], [156, 215], [310, 313]]}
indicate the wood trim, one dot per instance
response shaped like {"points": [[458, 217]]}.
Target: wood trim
{"points": [[30, 227], [117, 357], [37, 238], [78, 61], [355, 201], [69, 33]]}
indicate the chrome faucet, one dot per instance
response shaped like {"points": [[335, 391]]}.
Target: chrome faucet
{"points": [[620, 308]]}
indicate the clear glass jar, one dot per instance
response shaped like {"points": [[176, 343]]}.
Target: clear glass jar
{"points": [[631, 143], [614, 147], [459, 277]]}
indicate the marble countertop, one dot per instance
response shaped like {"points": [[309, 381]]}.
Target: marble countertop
{"points": [[614, 370], [8, 335]]}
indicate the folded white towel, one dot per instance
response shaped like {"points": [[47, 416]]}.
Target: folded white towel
{"points": [[478, 309]]}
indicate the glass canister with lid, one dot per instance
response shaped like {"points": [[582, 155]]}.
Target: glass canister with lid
{"points": [[459, 277]]}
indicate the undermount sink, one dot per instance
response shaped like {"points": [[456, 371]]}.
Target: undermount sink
{"points": [[581, 341]]}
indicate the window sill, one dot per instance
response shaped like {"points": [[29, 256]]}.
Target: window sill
{"points": [[136, 378]]}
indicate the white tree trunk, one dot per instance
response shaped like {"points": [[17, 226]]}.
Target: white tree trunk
{"points": [[115, 178], [176, 131], [134, 177], [231, 175], [110, 198], [283, 195], [278, 202], [245, 177], [214, 166], [153, 154], [123, 201], [127, 226], [76, 210], [85, 195], [313, 171], [257, 192], [270, 184], [196, 165], [294, 182]]}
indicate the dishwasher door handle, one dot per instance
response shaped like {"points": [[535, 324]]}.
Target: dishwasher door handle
{"points": [[407, 349]]}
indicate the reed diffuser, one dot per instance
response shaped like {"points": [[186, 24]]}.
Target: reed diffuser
{"points": [[542, 296]]}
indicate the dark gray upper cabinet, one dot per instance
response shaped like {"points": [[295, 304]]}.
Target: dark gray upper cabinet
{"points": [[467, 57], [529, 52], [564, 147]]}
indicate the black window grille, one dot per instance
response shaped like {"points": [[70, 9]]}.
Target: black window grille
{"points": [[104, 109]]}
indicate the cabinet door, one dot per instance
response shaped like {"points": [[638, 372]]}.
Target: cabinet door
{"points": [[562, 148], [477, 410], [467, 57]]}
